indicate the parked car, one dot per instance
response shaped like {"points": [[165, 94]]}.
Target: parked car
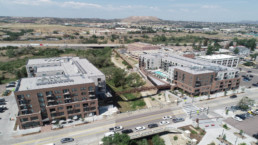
{"points": [[176, 120], [13, 83], [2, 103], [242, 116], [10, 86], [233, 96], [140, 128], [164, 122], [237, 118], [111, 133], [127, 131], [66, 140], [256, 85], [249, 71], [167, 117], [116, 128], [251, 76], [6, 92], [255, 135], [152, 125]]}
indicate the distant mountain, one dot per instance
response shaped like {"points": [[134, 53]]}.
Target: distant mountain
{"points": [[136, 19], [248, 22]]}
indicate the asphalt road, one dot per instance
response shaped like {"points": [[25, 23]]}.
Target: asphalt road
{"points": [[93, 132]]}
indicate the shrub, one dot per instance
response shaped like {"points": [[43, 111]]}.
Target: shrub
{"points": [[175, 138]]}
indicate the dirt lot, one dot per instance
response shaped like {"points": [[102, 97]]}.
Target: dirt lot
{"points": [[249, 126]]}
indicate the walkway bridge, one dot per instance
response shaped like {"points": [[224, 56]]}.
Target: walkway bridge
{"points": [[154, 131]]}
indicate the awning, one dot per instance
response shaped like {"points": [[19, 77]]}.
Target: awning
{"points": [[75, 117], [61, 121], [53, 122]]}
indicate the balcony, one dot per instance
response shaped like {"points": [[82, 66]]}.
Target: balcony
{"points": [[51, 101], [91, 91], [50, 95], [67, 98]]}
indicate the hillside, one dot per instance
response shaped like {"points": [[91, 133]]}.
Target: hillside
{"points": [[135, 19]]}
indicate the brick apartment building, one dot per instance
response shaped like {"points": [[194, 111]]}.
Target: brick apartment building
{"points": [[196, 77], [58, 89]]}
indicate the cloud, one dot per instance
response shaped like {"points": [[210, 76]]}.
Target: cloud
{"points": [[33, 2], [74, 4]]}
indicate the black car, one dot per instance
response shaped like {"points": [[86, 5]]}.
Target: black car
{"points": [[251, 76], [2, 100], [13, 83], [127, 131], [256, 85], [153, 125], [249, 71], [255, 135], [178, 120], [2, 103], [242, 116], [10, 86], [66, 140], [233, 96]]}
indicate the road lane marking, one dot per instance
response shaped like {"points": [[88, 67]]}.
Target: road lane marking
{"points": [[61, 135], [84, 135]]}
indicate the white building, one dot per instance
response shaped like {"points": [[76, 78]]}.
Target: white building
{"points": [[221, 59]]}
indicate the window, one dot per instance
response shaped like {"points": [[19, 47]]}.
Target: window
{"points": [[83, 88], [24, 119], [34, 118], [92, 103], [83, 98], [65, 90], [39, 94], [91, 88], [60, 108], [58, 97], [76, 99], [57, 92], [83, 93], [20, 96], [28, 95], [74, 89], [77, 105], [75, 94]]}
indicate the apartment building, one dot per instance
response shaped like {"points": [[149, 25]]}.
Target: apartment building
{"points": [[221, 59], [193, 76], [58, 89]]}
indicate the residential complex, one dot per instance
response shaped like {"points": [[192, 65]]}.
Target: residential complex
{"points": [[58, 89], [196, 77], [139, 48], [221, 59]]}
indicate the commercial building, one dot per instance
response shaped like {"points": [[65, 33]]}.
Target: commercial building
{"points": [[139, 48], [196, 77], [221, 59], [58, 89]]}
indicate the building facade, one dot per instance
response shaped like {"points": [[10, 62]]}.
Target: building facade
{"points": [[222, 59], [67, 92], [196, 77]]}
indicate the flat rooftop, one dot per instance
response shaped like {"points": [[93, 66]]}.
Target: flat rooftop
{"points": [[220, 56], [194, 70], [52, 81]]}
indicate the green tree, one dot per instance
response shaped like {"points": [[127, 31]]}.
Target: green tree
{"points": [[119, 78], [236, 51], [117, 139], [245, 103], [175, 138], [142, 142], [10, 53], [209, 50], [2, 78], [134, 80], [241, 132], [156, 140]]}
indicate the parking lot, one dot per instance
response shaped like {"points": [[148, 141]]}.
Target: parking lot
{"points": [[248, 84], [249, 126], [6, 122]]}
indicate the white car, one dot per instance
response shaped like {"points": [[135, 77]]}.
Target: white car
{"points": [[139, 128], [164, 122], [167, 117], [109, 134], [237, 118], [116, 128]]}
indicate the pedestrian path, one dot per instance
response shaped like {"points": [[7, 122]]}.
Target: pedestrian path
{"points": [[190, 109]]}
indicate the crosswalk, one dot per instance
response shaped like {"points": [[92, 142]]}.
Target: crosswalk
{"points": [[189, 108]]}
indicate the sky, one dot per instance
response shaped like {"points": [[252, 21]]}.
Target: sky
{"points": [[184, 10]]}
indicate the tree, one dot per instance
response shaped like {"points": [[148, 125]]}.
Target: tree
{"points": [[117, 139], [156, 140], [119, 78], [236, 51], [175, 138], [245, 103], [134, 80], [241, 132], [10, 53], [209, 50], [2, 78]]}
